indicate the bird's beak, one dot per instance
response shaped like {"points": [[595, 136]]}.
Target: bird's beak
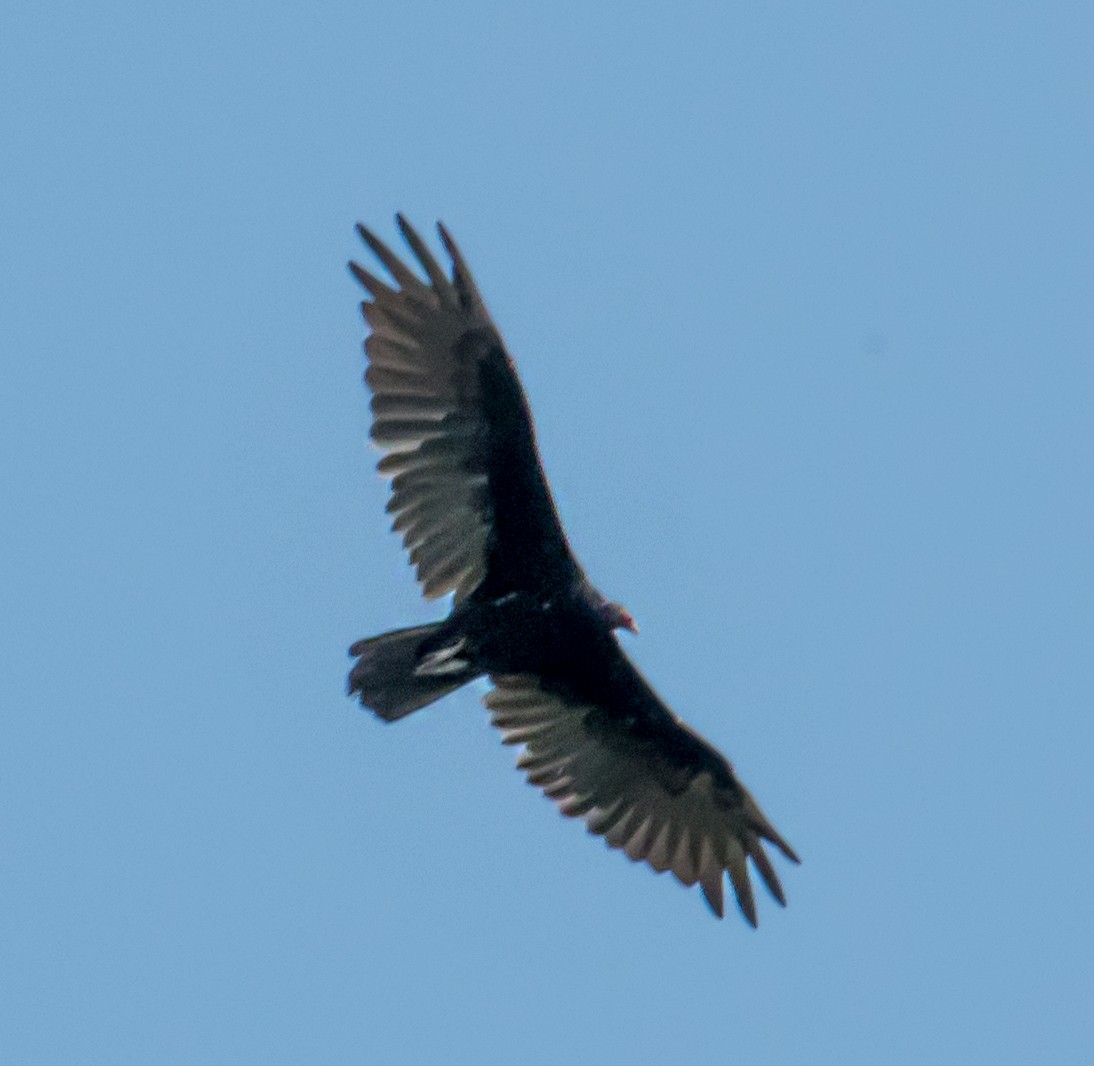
{"points": [[629, 623]]}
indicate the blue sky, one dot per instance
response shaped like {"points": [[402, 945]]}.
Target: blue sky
{"points": [[802, 300]]}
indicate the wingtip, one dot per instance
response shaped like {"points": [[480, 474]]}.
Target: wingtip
{"points": [[766, 831], [747, 907], [367, 279], [447, 241], [742, 887], [763, 828], [712, 893]]}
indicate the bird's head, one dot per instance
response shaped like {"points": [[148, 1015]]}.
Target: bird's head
{"points": [[616, 616]]}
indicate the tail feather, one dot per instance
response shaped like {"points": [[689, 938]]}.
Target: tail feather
{"points": [[384, 675]]}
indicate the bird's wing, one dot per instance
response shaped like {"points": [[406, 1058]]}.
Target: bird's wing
{"points": [[468, 493], [604, 747]]}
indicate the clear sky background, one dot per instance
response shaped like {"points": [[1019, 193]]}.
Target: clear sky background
{"points": [[802, 297]]}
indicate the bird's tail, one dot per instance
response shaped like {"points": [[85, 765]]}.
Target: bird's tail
{"points": [[391, 678]]}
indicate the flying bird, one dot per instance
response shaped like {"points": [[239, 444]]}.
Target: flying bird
{"points": [[472, 504]]}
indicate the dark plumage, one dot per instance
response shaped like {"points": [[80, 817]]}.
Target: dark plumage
{"points": [[472, 505]]}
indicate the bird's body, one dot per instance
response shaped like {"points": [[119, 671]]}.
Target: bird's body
{"points": [[472, 504], [521, 632]]}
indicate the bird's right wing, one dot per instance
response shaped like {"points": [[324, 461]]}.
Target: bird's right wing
{"points": [[468, 493], [604, 747]]}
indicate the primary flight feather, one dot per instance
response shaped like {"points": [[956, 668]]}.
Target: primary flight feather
{"points": [[471, 502]]}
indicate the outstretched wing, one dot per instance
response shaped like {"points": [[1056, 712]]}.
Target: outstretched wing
{"points": [[603, 746], [468, 493]]}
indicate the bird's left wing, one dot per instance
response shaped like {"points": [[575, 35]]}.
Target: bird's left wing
{"points": [[605, 748], [469, 496]]}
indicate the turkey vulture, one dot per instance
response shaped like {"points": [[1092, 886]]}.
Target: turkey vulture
{"points": [[471, 502]]}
